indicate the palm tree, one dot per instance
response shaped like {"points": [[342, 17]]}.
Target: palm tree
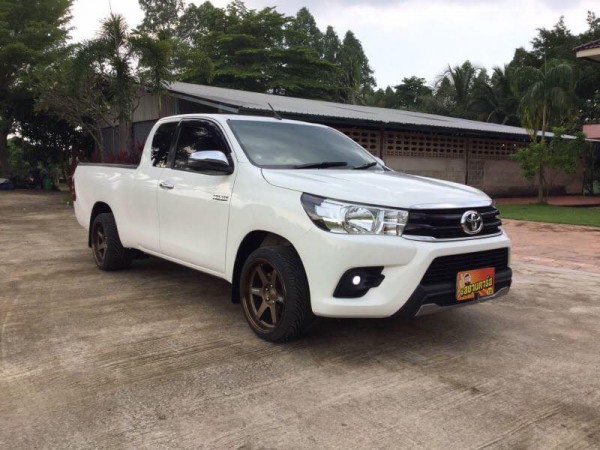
{"points": [[110, 55], [548, 99], [494, 99], [547, 102], [459, 80], [156, 68]]}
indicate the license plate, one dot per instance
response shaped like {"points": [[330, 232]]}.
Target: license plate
{"points": [[475, 284]]}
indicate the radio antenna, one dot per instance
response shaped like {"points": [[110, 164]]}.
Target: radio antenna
{"points": [[275, 113]]}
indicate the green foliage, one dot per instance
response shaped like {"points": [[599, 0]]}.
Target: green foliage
{"points": [[531, 159], [19, 165], [413, 93], [356, 76], [161, 17], [302, 31], [547, 100], [566, 154], [31, 31], [73, 91], [494, 99], [331, 45], [559, 154], [155, 61], [456, 88], [256, 50]]}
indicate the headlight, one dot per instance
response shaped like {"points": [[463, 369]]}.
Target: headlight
{"points": [[348, 218]]}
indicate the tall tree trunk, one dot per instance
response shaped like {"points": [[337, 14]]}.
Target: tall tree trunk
{"points": [[125, 136], [542, 171], [542, 186], [4, 153]]}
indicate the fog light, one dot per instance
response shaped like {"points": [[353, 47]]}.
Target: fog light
{"points": [[357, 282]]}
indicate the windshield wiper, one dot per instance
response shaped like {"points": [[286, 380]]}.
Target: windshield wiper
{"points": [[321, 165], [366, 166]]}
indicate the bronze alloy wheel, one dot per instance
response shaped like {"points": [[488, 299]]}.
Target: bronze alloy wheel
{"points": [[263, 296], [99, 242]]}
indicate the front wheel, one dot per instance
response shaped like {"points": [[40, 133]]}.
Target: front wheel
{"points": [[109, 253], [275, 295]]}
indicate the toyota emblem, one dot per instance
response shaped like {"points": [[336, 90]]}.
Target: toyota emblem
{"points": [[471, 222]]}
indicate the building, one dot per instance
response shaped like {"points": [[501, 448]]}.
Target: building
{"points": [[460, 150], [591, 52]]}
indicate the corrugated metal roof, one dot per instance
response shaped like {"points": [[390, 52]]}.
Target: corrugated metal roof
{"points": [[588, 45], [254, 101]]}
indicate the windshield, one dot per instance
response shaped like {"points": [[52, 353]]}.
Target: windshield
{"points": [[282, 145]]}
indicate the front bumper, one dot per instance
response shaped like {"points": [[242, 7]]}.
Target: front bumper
{"points": [[429, 299], [327, 256]]}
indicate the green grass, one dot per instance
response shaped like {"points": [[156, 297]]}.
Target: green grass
{"points": [[551, 214]]}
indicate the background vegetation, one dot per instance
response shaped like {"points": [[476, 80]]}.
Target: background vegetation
{"points": [[74, 90]]}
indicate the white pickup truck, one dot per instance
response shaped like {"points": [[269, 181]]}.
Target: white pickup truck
{"points": [[300, 219]]}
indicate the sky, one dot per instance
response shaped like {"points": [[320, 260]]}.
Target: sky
{"points": [[402, 38]]}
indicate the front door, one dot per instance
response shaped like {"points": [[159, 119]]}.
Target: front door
{"points": [[193, 205]]}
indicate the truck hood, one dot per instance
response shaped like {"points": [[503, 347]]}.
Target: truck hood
{"points": [[384, 188]]}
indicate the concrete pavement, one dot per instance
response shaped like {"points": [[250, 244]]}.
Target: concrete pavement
{"points": [[158, 357]]}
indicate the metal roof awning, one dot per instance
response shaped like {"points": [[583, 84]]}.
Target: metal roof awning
{"points": [[589, 50]]}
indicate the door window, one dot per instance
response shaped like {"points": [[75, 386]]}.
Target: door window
{"points": [[161, 143], [197, 137]]}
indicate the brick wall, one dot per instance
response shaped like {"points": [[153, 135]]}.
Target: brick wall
{"points": [[484, 163]]}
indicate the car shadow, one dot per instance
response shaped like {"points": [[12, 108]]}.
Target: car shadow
{"points": [[458, 327]]}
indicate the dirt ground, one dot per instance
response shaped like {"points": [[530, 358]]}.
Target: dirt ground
{"points": [[158, 357]]}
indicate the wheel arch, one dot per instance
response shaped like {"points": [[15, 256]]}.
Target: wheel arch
{"points": [[99, 208], [252, 241]]}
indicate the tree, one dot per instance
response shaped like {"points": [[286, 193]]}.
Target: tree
{"points": [[114, 56], [54, 142], [302, 31], [72, 90], [243, 54], [255, 50], [560, 154], [96, 83], [412, 93], [155, 63], [494, 99], [455, 89], [331, 45], [556, 43], [30, 32], [546, 102], [356, 75], [161, 17]]}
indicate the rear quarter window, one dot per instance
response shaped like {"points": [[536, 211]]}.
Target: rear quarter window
{"points": [[161, 143]]}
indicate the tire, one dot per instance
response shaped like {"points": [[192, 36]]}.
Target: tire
{"points": [[273, 284], [107, 249]]}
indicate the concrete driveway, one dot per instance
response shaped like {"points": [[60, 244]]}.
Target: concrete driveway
{"points": [[158, 357]]}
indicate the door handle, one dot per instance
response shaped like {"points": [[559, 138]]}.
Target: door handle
{"points": [[166, 185]]}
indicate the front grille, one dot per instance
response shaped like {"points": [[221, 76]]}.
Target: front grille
{"points": [[445, 268], [445, 223]]}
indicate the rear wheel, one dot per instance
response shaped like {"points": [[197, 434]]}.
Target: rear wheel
{"points": [[275, 295], [108, 251]]}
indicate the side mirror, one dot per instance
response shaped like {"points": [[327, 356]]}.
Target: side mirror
{"points": [[380, 161], [209, 160]]}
